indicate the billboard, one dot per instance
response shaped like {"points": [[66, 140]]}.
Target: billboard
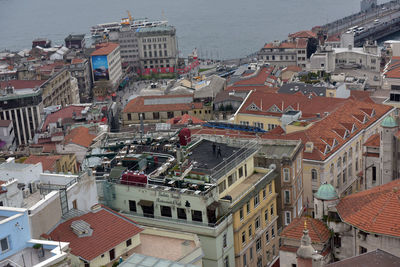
{"points": [[100, 68]]}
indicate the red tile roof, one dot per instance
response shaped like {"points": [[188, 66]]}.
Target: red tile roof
{"points": [[80, 136], [185, 120], [258, 79], [303, 34], [22, 84], [292, 68], [77, 60], [137, 104], [5, 123], [264, 88], [65, 113], [109, 230], [104, 49], [333, 38], [374, 210], [299, 44], [48, 162], [393, 69], [318, 231], [373, 141]]}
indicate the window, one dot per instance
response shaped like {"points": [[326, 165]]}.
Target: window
{"points": [[197, 216], [373, 174], [257, 223], [222, 186], [287, 217], [250, 230], [132, 205], [314, 175], [128, 242], [286, 176], [363, 250], [267, 237], [339, 163], [181, 213], [272, 210], [166, 211], [224, 243], [273, 250], [350, 170], [251, 253], [344, 176], [156, 115], [143, 116], [241, 214], [170, 114], [240, 172], [244, 260], [258, 245], [266, 215], [129, 116], [287, 196], [264, 193], [256, 200], [112, 254], [273, 232], [4, 244], [270, 188], [244, 237], [248, 207], [226, 261]]}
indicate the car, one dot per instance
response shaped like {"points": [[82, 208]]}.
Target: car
{"points": [[377, 21]]}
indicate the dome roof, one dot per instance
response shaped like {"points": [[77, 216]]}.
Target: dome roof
{"points": [[326, 192], [389, 121]]}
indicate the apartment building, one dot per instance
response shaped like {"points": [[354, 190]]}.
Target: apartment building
{"points": [[158, 49], [21, 102], [80, 69], [284, 54], [7, 136]]}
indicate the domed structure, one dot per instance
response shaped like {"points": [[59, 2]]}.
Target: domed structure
{"points": [[389, 122], [326, 192]]}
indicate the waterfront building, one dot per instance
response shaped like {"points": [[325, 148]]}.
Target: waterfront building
{"points": [[75, 41], [128, 42], [21, 102], [283, 54], [154, 109], [158, 49]]}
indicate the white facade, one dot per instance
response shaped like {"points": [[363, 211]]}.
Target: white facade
{"points": [[115, 67], [13, 196], [24, 173], [7, 134]]}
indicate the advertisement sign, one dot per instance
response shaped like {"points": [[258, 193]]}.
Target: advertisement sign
{"points": [[100, 68]]}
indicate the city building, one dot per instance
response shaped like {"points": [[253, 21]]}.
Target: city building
{"points": [[7, 136], [291, 236], [59, 89], [80, 69], [10, 195], [391, 81], [322, 89], [332, 131], [75, 41], [128, 42], [21, 102], [283, 54], [106, 64], [55, 163], [363, 222], [158, 49], [153, 109], [18, 248], [370, 259]]}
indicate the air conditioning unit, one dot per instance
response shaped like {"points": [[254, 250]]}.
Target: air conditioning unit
{"points": [[25, 193]]}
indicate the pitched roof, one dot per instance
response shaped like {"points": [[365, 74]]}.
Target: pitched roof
{"points": [[48, 162], [77, 60], [318, 231], [373, 141], [104, 49], [171, 104], [393, 69], [259, 78], [374, 210], [5, 123], [109, 229], [64, 113], [22, 84], [299, 44], [180, 120], [303, 34], [333, 38], [370, 259], [80, 136]]}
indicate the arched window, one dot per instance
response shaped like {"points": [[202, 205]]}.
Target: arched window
{"points": [[357, 147], [350, 153], [331, 169], [314, 175], [339, 163], [344, 159]]}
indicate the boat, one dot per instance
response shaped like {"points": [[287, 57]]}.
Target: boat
{"points": [[100, 29]]}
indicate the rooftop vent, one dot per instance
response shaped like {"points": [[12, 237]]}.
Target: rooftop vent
{"points": [[81, 228]]}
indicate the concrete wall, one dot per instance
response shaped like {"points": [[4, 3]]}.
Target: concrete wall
{"points": [[84, 193], [79, 151], [13, 197], [24, 173], [15, 228]]}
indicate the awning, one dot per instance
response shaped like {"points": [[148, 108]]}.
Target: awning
{"points": [[145, 203]]}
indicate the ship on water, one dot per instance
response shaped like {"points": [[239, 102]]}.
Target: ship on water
{"points": [[100, 29]]}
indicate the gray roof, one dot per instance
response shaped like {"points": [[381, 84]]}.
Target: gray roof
{"points": [[157, 29], [139, 260], [227, 96], [306, 89], [370, 259], [216, 85], [277, 151]]}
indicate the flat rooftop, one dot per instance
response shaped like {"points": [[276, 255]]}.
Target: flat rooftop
{"points": [[247, 184], [203, 157], [164, 247]]}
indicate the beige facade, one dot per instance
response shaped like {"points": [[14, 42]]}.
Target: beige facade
{"points": [[58, 90]]}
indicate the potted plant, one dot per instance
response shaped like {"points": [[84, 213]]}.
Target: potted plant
{"points": [[39, 249]]}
